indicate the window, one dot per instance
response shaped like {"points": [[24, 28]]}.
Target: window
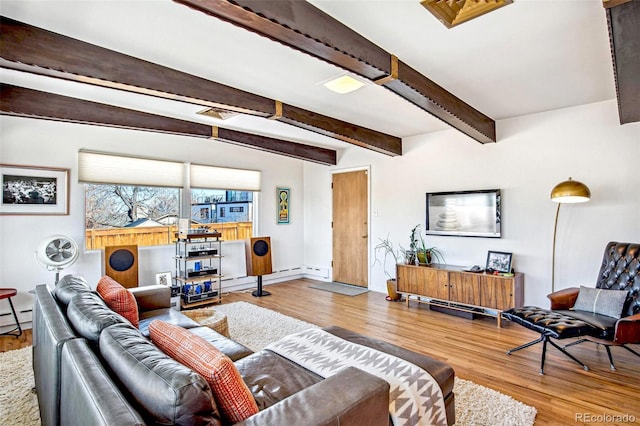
{"points": [[137, 201], [120, 214]]}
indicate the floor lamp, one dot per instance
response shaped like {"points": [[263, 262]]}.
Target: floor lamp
{"points": [[569, 191]]}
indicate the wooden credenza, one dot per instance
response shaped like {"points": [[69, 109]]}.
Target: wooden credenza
{"points": [[453, 288]]}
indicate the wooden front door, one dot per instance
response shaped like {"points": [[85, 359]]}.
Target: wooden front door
{"points": [[350, 228]]}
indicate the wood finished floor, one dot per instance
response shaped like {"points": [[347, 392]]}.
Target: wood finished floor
{"points": [[474, 348]]}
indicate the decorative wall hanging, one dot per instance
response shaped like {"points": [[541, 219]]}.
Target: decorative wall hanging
{"points": [[30, 190], [283, 195]]}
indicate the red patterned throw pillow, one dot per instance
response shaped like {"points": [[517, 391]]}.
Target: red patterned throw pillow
{"points": [[231, 394], [119, 299]]}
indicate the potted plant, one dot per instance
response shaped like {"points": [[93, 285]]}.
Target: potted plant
{"points": [[423, 253], [386, 246], [410, 254]]}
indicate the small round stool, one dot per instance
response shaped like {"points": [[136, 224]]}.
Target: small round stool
{"points": [[8, 293], [215, 320]]}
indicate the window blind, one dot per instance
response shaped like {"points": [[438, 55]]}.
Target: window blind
{"points": [[102, 168], [209, 177]]}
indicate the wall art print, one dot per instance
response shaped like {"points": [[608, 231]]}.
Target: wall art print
{"points": [[31, 190], [283, 195]]}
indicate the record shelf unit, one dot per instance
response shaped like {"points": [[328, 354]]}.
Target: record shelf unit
{"points": [[199, 268]]}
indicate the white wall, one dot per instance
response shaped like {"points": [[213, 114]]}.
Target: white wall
{"points": [[33, 142], [534, 153]]}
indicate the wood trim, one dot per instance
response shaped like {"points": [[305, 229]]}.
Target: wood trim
{"points": [[278, 114], [302, 26], [613, 3], [22, 102], [35, 50]]}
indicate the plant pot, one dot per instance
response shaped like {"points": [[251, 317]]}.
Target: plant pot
{"points": [[410, 257], [392, 290], [424, 257]]}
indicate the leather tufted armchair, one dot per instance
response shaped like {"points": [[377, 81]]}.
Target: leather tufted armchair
{"points": [[620, 270]]}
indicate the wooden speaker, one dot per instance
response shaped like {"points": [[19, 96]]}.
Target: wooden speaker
{"points": [[258, 252], [121, 264]]}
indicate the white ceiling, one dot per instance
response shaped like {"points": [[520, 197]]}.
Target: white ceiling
{"points": [[527, 57]]}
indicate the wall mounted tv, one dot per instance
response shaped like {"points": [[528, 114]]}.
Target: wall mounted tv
{"points": [[464, 213]]}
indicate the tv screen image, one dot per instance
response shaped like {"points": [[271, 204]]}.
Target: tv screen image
{"points": [[464, 213]]}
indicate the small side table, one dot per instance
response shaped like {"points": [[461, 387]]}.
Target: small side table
{"points": [[8, 293], [215, 320]]}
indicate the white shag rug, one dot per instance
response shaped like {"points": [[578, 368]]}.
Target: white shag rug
{"points": [[18, 403], [480, 406], [256, 327]]}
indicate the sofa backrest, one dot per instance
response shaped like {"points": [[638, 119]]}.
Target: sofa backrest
{"points": [[88, 396], [50, 332], [68, 286], [165, 391], [620, 270], [89, 316]]}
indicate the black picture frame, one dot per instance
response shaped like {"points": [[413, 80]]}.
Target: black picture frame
{"points": [[499, 261]]}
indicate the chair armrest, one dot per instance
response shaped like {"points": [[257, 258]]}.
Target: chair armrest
{"points": [[564, 299], [351, 397], [152, 297], [628, 329]]}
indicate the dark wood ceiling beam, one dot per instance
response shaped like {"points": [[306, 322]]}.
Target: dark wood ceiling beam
{"points": [[27, 48], [278, 146], [623, 19], [23, 102], [302, 26], [318, 123]]}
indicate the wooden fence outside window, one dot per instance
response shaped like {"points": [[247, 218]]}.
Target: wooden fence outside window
{"points": [[159, 235]]}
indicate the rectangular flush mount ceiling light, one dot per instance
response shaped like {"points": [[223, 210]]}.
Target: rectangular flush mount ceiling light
{"points": [[343, 84]]}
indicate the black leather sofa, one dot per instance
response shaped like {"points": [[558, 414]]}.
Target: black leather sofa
{"points": [[92, 366]]}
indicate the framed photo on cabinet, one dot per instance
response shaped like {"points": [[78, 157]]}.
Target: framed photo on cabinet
{"points": [[499, 261]]}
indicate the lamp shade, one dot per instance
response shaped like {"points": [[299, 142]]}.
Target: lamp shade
{"points": [[570, 191]]}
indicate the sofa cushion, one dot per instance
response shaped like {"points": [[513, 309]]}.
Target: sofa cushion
{"points": [[166, 391], [118, 298], [229, 390], [272, 378], [601, 301], [69, 286], [89, 315]]}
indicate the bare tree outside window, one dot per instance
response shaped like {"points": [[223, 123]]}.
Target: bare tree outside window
{"points": [[109, 206]]}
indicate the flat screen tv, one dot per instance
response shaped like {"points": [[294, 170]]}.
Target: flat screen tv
{"points": [[464, 213]]}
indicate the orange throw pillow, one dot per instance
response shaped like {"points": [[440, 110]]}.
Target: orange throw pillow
{"points": [[230, 392], [119, 299]]}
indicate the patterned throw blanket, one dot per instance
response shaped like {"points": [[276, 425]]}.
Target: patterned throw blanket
{"points": [[415, 397]]}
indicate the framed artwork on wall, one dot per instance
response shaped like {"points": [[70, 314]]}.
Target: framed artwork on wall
{"points": [[31, 190], [283, 195]]}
